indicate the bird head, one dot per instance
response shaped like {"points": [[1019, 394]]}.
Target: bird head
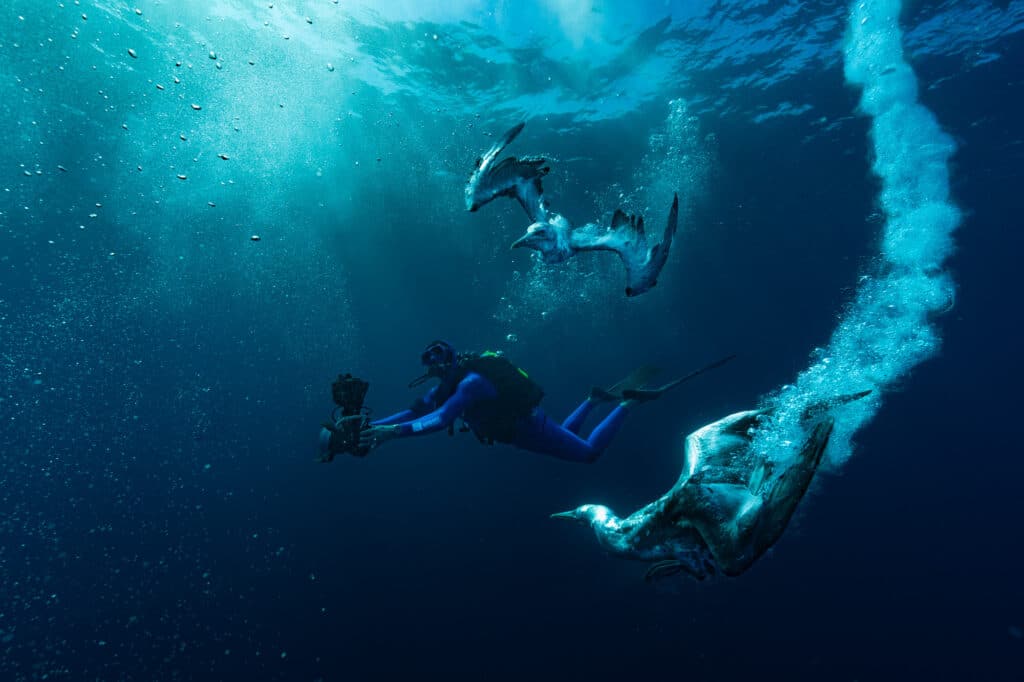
{"points": [[541, 236], [593, 514]]}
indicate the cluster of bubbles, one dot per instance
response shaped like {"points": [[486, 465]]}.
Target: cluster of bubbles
{"points": [[149, 298], [678, 160], [544, 292], [888, 328]]}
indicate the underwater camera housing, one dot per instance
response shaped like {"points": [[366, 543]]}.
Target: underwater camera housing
{"points": [[348, 419]]}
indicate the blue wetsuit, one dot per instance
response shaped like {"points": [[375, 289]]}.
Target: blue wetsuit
{"points": [[534, 432]]}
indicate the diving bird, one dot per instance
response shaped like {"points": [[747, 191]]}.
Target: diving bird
{"points": [[551, 234], [727, 508]]}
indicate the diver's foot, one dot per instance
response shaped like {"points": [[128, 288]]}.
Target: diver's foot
{"points": [[600, 395], [637, 379], [641, 395]]}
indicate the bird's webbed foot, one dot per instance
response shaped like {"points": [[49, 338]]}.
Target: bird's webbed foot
{"points": [[663, 569], [668, 568]]}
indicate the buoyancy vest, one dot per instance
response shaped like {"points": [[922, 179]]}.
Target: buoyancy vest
{"points": [[495, 419]]}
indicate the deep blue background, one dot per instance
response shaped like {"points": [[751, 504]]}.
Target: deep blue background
{"points": [[124, 557]]}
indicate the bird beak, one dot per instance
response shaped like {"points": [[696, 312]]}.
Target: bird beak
{"points": [[571, 515], [523, 241]]}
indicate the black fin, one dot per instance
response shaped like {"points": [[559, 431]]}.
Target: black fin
{"points": [[644, 395], [637, 379], [599, 394]]}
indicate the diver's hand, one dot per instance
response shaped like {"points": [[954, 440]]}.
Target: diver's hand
{"points": [[375, 436], [336, 426]]}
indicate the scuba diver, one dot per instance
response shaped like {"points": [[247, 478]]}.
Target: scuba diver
{"points": [[495, 399]]}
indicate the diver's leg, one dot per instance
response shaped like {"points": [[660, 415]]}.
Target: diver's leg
{"points": [[603, 433], [541, 435], [575, 420], [636, 379]]}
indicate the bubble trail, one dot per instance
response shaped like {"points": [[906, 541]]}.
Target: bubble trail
{"points": [[887, 329]]}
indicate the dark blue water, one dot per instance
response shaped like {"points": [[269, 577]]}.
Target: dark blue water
{"points": [[163, 376]]}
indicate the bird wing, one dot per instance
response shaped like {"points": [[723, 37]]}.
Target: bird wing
{"points": [[518, 178], [626, 237], [644, 265], [714, 450]]}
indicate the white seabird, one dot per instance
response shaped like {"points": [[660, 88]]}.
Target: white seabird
{"points": [[551, 234]]}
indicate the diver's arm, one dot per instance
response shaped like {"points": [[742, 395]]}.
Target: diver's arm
{"points": [[471, 389], [403, 416], [421, 407]]}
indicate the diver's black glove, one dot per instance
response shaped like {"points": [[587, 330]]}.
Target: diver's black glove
{"points": [[345, 436], [373, 437]]}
